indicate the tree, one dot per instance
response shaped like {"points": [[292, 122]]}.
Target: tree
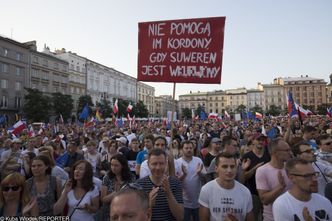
{"points": [[199, 110], [82, 101], [37, 105], [186, 113], [141, 110], [274, 110], [257, 108], [105, 107], [241, 108], [62, 104], [322, 109]]}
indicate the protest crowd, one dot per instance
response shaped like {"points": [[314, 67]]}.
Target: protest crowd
{"points": [[273, 168]]}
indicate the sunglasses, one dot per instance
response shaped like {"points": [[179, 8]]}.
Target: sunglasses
{"points": [[13, 188], [328, 143]]}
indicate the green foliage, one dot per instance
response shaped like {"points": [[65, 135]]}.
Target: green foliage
{"points": [[62, 104], [186, 113], [257, 109], [198, 110], [141, 110], [37, 105], [321, 109], [241, 108], [273, 110], [105, 107]]}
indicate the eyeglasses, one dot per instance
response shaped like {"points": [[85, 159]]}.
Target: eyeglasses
{"points": [[307, 151], [13, 188], [285, 150], [307, 176]]}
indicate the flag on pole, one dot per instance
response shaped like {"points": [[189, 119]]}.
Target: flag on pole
{"points": [[227, 115], [115, 107], [85, 113], [292, 111], [129, 108], [98, 116], [192, 114], [61, 119], [18, 127], [258, 115]]}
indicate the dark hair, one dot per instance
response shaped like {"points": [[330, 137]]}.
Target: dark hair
{"points": [[160, 138], [322, 137], [227, 140], [87, 181], [296, 148], [157, 152], [186, 142], [224, 155], [291, 163], [125, 171], [149, 137], [308, 129], [46, 161]]}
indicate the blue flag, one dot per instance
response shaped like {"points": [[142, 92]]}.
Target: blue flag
{"points": [[203, 115], [2, 119], [85, 113]]}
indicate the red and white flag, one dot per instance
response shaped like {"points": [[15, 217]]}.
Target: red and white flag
{"points": [[115, 108], [258, 115], [227, 115], [19, 126], [129, 108], [31, 132]]}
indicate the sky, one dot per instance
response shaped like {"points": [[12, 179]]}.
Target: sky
{"points": [[264, 39]]}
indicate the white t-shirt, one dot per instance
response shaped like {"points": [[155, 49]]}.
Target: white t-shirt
{"points": [[236, 201], [287, 207], [192, 183], [81, 214]]}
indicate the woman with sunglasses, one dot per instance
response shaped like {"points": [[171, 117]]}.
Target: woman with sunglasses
{"points": [[79, 193], [14, 197], [118, 176], [43, 186]]}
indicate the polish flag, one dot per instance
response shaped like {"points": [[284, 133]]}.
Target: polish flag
{"points": [[19, 126], [31, 132], [115, 108], [129, 108], [227, 115], [258, 115]]}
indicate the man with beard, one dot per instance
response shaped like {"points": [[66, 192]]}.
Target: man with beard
{"points": [[302, 202]]}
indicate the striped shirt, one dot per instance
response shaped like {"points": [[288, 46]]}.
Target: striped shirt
{"points": [[161, 210]]}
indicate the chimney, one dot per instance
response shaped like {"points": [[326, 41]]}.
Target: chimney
{"points": [[32, 45]]}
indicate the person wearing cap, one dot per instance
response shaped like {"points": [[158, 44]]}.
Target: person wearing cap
{"points": [[250, 162], [122, 143], [73, 154], [215, 149]]}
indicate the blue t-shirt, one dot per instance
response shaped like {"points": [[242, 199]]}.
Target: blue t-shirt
{"points": [[141, 156]]}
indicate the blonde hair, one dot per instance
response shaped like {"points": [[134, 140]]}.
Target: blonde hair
{"points": [[18, 180]]}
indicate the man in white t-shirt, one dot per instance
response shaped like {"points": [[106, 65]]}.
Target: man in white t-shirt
{"points": [[301, 202], [224, 198], [191, 176]]}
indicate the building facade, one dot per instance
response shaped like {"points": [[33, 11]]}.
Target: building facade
{"points": [[14, 76], [235, 98], [274, 94], [255, 97], [192, 101], [49, 74], [164, 103], [329, 92], [77, 74], [104, 82], [306, 90], [146, 93]]}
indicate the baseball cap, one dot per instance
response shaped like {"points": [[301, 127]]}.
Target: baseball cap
{"points": [[122, 140], [215, 140]]}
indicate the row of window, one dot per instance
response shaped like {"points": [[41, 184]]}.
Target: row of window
{"points": [[4, 85], [4, 102], [5, 68], [45, 63], [5, 52]]}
